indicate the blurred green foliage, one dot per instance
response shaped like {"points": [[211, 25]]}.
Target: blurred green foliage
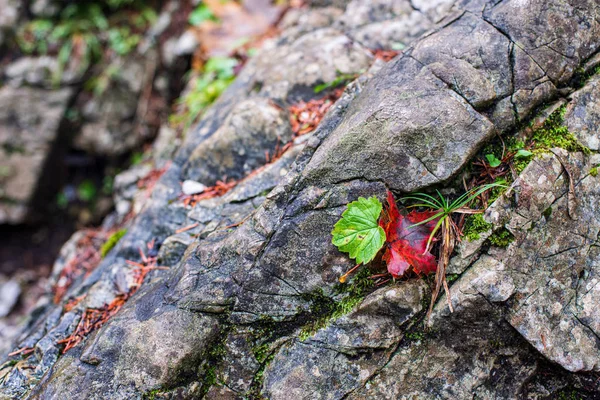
{"points": [[200, 14], [216, 76], [85, 32]]}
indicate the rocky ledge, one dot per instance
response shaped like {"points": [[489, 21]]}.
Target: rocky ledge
{"points": [[250, 305]]}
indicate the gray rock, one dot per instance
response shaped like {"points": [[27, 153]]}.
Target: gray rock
{"points": [[35, 71], [291, 71], [29, 139], [343, 356], [253, 129], [109, 120], [11, 9], [236, 304], [391, 125], [44, 8], [583, 114], [10, 290]]}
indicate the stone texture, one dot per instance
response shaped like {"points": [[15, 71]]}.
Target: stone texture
{"points": [[254, 128], [291, 71], [9, 295], [583, 115], [343, 356], [41, 71], [246, 282], [30, 138], [402, 140], [109, 119], [11, 10]]}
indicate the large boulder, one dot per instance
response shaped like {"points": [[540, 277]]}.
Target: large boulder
{"points": [[251, 305]]}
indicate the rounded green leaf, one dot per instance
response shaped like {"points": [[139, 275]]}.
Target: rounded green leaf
{"points": [[358, 232], [523, 154], [493, 161]]}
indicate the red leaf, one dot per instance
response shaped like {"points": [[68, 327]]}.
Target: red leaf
{"points": [[406, 246]]}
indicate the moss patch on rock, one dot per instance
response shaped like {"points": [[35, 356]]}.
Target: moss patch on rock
{"points": [[553, 133], [501, 238], [325, 309], [112, 241], [474, 226]]}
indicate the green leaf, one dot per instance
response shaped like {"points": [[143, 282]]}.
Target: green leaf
{"points": [[86, 191], [358, 232], [341, 79], [492, 160], [523, 154], [200, 14]]}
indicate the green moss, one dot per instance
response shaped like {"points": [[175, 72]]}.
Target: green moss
{"points": [[324, 309], [594, 172], [341, 79], [547, 212], [218, 73], [569, 394], [554, 134], [581, 77], [415, 335], [213, 359], [84, 31], [451, 277], [501, 238], [151, 395], [112, 242], [257, 381], [474, 226]]}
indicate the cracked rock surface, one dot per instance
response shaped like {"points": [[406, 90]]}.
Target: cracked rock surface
{"points": [[251, 306]]}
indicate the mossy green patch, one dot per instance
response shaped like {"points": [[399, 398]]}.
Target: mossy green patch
{"points": [[112, 242], [213, 358], [340, 80], [451, 277], [501, 238], [325, 309], [553, 133], [474, 226], [218, 73], [594, 171], [569, 394]]}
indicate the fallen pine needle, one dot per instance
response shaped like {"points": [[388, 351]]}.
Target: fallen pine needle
{"points": [[187, 228], [24, 351]]}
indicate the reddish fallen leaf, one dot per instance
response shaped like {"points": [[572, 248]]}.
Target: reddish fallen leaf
{"points": [[218, 190], [406, 244], [72, 303], [187, 228], [93, 318], [149, 181], [85, 261], [305, 116], [385, 55]]}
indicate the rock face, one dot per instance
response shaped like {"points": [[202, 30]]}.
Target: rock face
{"points": [[253, 129], [251, 306], [30, 139]]}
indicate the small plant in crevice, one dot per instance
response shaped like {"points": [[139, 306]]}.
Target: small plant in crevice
{"points": [[450, 233], [366, 227]]}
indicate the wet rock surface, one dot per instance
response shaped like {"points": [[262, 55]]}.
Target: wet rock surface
{"points": [[251, 305]]}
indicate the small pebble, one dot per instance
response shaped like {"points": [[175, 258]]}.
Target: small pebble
{"points": [[192, 187]]}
